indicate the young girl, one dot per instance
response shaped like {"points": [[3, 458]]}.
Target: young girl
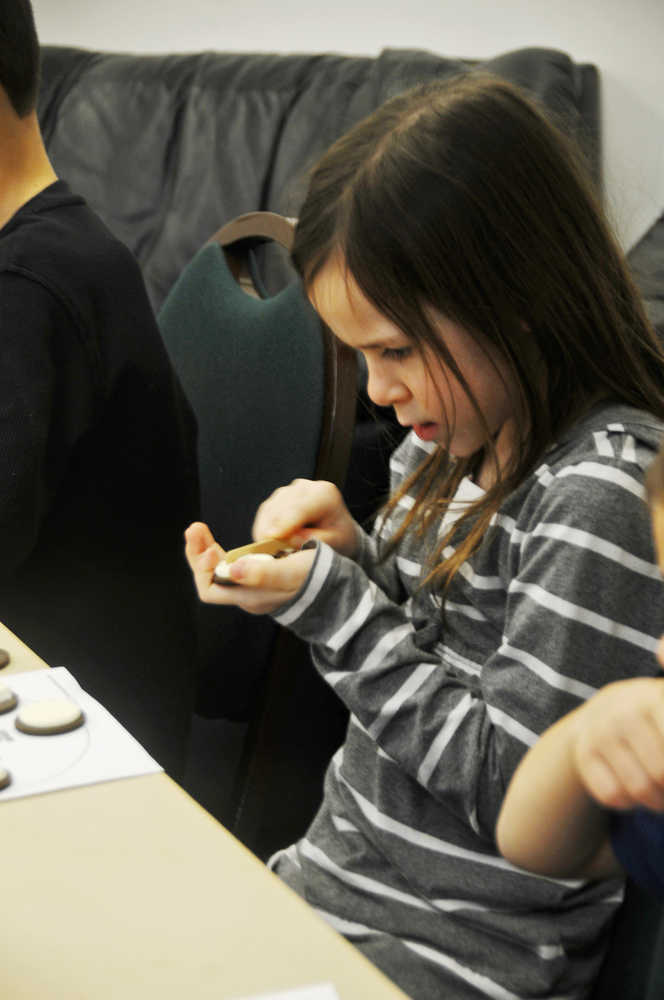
{"points": [[588, 799], [452, 238]]}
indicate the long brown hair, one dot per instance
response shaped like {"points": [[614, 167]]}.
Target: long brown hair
{"points": [[462, 196]]}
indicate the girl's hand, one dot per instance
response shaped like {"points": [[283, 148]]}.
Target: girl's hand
{"points": [[308, 509], [619, 744], [263, 585]]}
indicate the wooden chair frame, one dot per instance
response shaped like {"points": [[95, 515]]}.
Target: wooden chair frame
{"points": [[258, 791]]}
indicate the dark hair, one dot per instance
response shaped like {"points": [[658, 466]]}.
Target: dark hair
{"points": [[462, 196], [19, 55]]}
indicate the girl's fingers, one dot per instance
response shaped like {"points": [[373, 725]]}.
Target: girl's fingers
{"points": [[203, 554], [619, 748], [208, 560], [634, 781], [283, 513], [286, 574], [198, 538], [657, 712], [293, 509], [622, 776], [263, 585], [602, 783], [636, 748], [647, 746]]}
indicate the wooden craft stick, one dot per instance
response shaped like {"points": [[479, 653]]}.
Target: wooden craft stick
{"points": [[269, 546], [274, 547]]}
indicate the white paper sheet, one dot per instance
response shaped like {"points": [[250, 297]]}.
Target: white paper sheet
{"points": [[322, 991], [99, 750]]}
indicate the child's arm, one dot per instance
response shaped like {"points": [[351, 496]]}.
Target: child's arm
{"points": [[548, 823], [609, 753]]}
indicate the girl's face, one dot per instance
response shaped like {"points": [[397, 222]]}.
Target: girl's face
{"points": [[423, 391]]}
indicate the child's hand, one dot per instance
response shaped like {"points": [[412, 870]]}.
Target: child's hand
{"points": [[619, 744], [308, 509], [263, 585]]}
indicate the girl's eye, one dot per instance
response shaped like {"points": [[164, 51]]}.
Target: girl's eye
{"points": [[395, 353]]}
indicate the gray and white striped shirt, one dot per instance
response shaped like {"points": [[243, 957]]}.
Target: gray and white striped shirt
{"points": [[562, 597]]}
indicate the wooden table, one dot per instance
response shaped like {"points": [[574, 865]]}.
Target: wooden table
{"points": [[128, 889]]}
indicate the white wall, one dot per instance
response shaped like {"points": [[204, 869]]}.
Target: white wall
{"points": [[624, 38]]}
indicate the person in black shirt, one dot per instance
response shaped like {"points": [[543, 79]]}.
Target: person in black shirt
{"points": [[97, 444]]}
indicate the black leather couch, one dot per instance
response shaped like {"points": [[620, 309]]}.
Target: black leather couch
{"points": [[168, 148], [647, 264]]}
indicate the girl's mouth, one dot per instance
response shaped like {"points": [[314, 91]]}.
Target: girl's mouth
{"points": [[426, 432]]}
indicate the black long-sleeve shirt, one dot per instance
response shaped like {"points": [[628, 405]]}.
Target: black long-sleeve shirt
{"points": [[97, 471]]}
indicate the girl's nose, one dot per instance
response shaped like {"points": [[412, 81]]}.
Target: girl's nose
{"points": [[384, 388]]}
